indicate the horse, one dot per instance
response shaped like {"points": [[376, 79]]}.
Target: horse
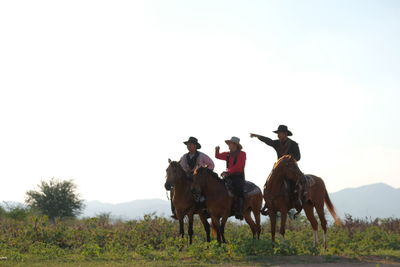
{"points": [[219, 202], [315, 195], [183, 199]]}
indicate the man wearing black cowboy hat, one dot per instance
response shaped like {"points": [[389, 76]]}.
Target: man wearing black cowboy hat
{"points": [[194, 158], [189, 161], [284, 146]]}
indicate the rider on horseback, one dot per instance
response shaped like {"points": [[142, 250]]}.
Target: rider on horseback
{"points": [[285, 146], [189, 161], [235, 163]]}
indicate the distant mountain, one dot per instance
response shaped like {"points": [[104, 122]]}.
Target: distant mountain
{"points": [[375, 200], [128, 210], [372, 201]]}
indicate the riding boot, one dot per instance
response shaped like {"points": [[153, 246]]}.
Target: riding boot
{"points": [[173, 216], [239, 209], [298, 203]]}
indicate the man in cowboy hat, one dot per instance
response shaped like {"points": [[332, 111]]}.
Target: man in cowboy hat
{"points": [[235, 163], [194, 158], [284, 146], [189, 161]]}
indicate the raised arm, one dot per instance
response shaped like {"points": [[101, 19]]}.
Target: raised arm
{"points": [[222, 156]]}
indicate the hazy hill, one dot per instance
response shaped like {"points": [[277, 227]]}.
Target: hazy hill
{"points": [[372, 201], [375, 200], [128, 210]]}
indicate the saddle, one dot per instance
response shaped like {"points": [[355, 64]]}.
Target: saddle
{"points": [[249, 188]]}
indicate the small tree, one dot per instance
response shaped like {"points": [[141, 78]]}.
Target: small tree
{"points": [[56, 199]]}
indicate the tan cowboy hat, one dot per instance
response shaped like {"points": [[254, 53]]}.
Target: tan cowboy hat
{"points": [[235, 140]]}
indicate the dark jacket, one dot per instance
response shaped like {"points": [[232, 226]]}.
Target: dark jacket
{"points": [[290, 147]]}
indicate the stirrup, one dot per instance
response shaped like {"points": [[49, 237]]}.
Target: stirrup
{"points": [[264, 212], [239, 216]]}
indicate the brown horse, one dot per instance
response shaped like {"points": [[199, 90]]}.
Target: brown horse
{"points": [[219, 202], [315, 195], [183, 199]]}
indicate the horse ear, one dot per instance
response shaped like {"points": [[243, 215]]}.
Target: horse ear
{"points": [[169, 161]]}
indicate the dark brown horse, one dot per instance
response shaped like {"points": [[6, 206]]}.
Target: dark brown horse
{"points": [[219, 202], [315, 195], [183, 199]]}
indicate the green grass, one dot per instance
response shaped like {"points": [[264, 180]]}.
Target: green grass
{"points": [[33, 240]]}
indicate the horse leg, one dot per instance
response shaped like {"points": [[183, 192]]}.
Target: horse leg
{"points": [[180, 217], [320, 211], [250, 222], [283, 223], [223, 222], [257, 214], [181, 228], [272, 218], [206, 225], [190, 228], [217, 227], [309, 210]]}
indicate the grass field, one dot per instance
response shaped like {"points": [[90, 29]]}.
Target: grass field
{"points": [[33, 240]]}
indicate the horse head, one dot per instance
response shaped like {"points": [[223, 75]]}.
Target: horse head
{"points": [[174, 172], [199, 181]]}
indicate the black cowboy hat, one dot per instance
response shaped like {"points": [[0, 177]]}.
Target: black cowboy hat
{"points": [[283, 128], [193, 140]]}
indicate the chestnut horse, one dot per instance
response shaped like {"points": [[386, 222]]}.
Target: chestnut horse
{"points": [[219, 202], [183, 200], [315, 195]]}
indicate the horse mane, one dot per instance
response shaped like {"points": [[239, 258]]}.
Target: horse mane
{"points": [[277, 168], [176, 164], [211, 173], [277, 164]]}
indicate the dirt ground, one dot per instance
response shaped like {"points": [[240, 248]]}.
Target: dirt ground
{"points": [[341, 264]]}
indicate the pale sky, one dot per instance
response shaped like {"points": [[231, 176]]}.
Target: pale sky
{"points": [[104, 92]]}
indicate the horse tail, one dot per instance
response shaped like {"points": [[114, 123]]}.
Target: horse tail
{"points": [[331, 208]]}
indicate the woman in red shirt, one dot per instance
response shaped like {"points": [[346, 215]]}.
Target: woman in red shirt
{"points": [[235, 163]]}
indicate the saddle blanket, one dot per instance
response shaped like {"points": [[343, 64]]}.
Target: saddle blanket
{"points": [[249, 189]]}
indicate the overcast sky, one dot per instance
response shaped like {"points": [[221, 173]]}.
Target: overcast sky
{"points": [[104, 92]]}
